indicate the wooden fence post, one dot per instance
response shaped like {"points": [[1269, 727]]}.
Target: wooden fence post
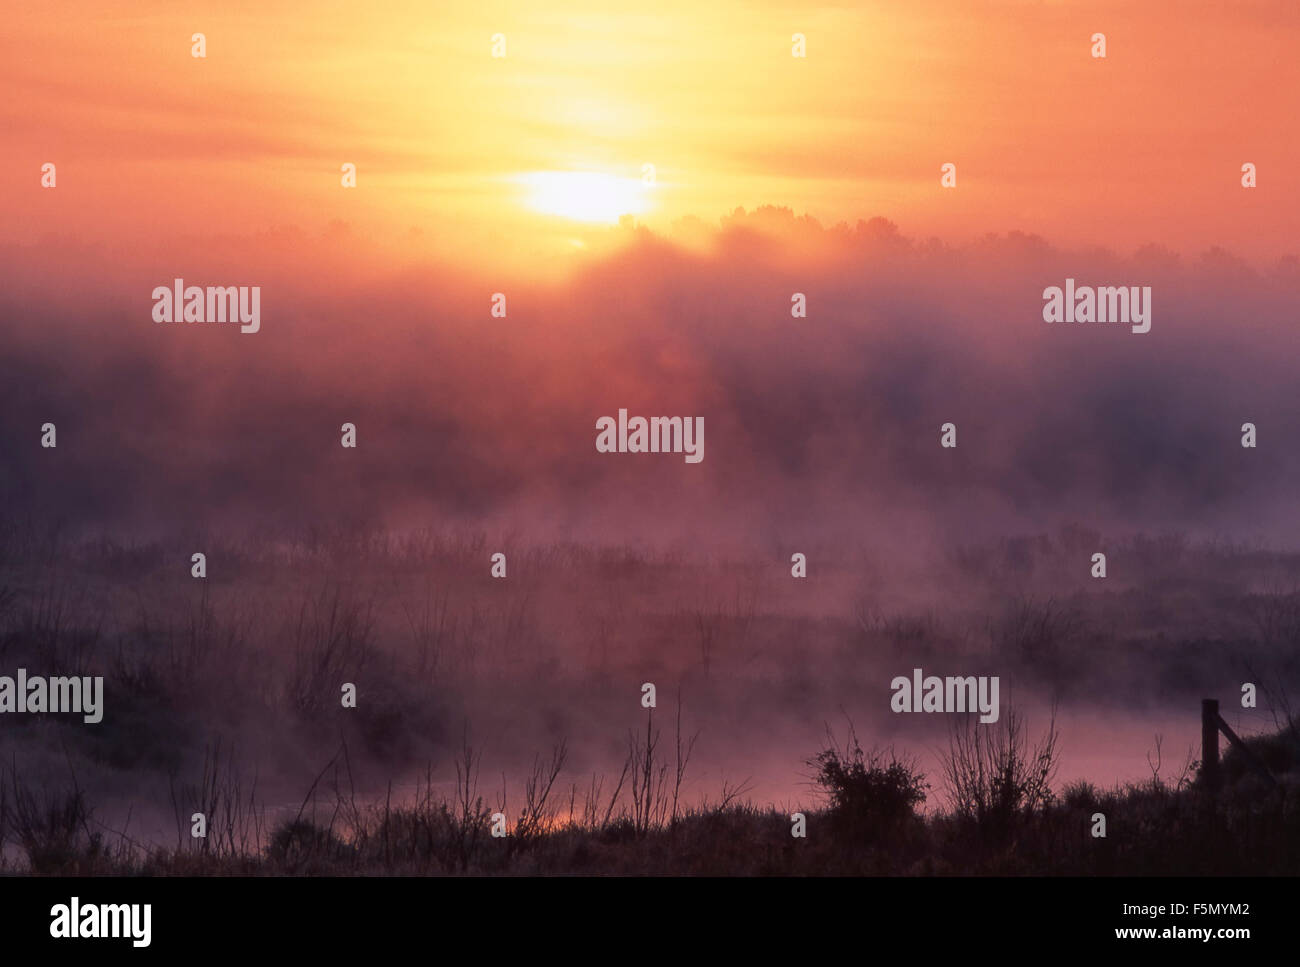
{"points": [[1210, 742]]}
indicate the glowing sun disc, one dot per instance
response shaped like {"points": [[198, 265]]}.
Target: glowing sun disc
{"points": [[584, 196]]}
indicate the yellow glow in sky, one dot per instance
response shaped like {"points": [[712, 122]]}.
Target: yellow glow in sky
{"points": [[585, 196], [461, 154]]}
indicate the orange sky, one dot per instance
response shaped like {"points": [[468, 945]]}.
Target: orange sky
{"points": [[1145, 146]]}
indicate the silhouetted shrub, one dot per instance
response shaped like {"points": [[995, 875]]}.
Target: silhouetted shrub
{"points": [[870, 794]]}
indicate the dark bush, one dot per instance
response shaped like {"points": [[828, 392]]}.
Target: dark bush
{"points": [[870, 794]]}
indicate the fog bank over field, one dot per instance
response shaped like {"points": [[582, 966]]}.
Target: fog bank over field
{"points": [[824, 428]]}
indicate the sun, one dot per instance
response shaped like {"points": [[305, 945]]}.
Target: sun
{"points": [[585, 196]]}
